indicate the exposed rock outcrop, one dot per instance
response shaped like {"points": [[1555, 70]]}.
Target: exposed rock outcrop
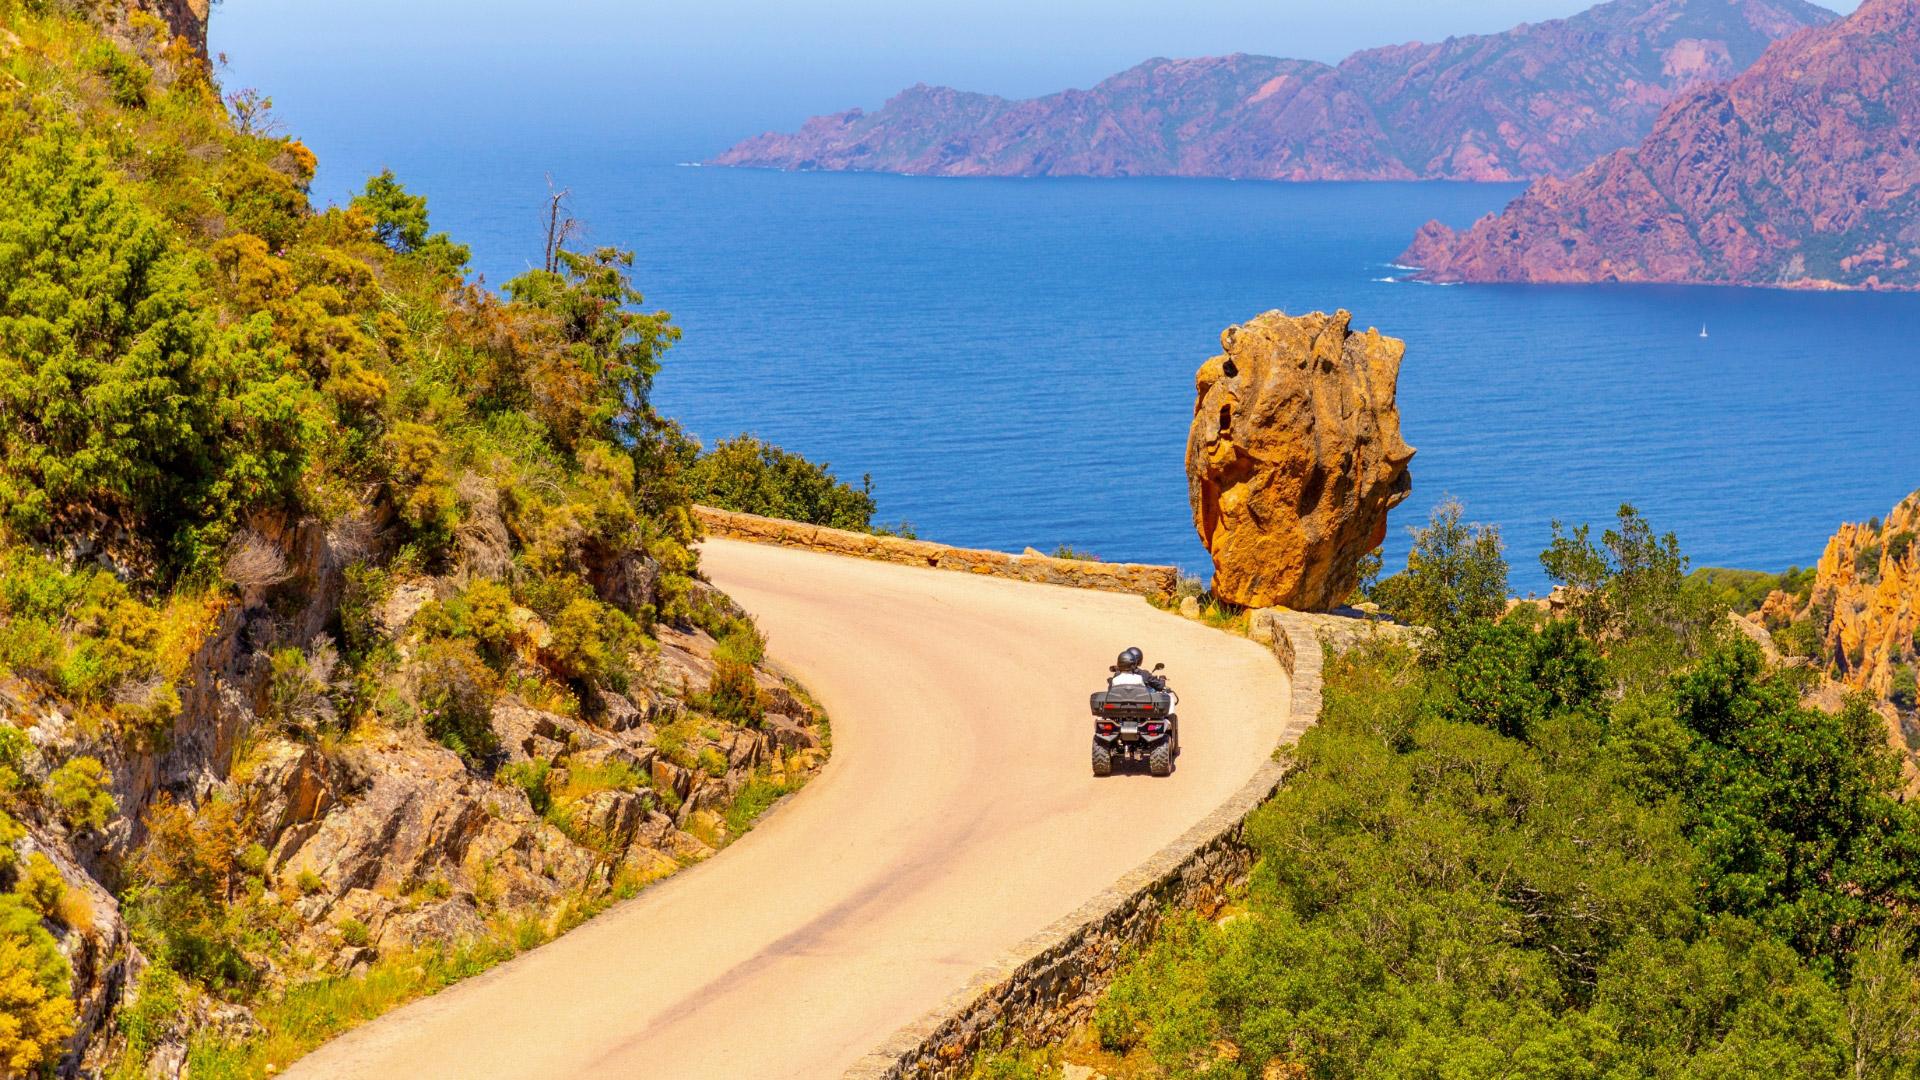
{"points": [[1859, 624], [1540, 99], [1868, 581], [1295, 457], [184, 20], [1802, 172]]}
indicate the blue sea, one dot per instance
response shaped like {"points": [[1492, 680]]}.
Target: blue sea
{"points": [[1012, 361]]}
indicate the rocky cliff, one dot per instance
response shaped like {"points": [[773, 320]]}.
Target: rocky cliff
{"points": [[1295, 457], [1804, 171], [1858, 625], [1540, 99], [1867, 590]]}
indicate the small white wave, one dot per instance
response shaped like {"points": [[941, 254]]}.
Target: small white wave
{"points": [[1386, 280]]}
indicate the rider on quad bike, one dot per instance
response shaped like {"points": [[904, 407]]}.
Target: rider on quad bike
{"points": [[1134, 720], [1126, 672]]}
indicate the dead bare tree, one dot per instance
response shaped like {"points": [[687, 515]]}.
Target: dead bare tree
{"points": [[561, 225]]}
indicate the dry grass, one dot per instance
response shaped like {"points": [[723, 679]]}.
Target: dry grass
{"points": [[255, 564]]}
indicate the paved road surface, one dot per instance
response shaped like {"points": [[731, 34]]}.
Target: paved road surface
{"points": [[957, 817]]}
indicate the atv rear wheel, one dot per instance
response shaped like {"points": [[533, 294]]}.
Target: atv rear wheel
{"points": [[1102, 759], [1161, 763]]}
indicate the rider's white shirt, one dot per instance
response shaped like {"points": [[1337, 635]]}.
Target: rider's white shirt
{"points": [[1127, 678]]}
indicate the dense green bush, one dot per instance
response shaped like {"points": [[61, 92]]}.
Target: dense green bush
{"points": [[746, 475], [1456, 575], [453, 693], [121, 397], [78, 790], [1744, 591], [36, 1013]]}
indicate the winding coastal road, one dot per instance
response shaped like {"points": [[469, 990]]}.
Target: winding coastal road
{"points": [[957, 817]]}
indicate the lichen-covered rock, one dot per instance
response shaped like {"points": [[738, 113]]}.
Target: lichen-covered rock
{"points": [[1295, 457]]}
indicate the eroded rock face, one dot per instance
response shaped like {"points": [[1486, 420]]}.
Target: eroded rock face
{"points": [[1295, 457], [1869, 579]]}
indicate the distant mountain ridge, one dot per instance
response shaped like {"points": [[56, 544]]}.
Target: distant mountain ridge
{"points": [[1804, 171], [1538, 100]]}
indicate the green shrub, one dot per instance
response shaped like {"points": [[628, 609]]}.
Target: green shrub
{"points": [[367, 588], [155, 1008], [147, 409], [531, 778], [1899, 544], [1455, 576], [14, 745], [11, 833], [713, 762], [180, 904], [41, 886], [754, 798], [36, 1013], [1799, 639], [128, 80], [300, 689], [746, 475], [353, 932], [1743, 591], [1906, 687], [400, 222], [733, 693], [453, 692], [584, 778], [78, 791], [1866, 563], [579, 642]]}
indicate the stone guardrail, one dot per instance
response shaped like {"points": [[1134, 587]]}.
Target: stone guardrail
{"points": [[1033, 566], [1044, 987]]}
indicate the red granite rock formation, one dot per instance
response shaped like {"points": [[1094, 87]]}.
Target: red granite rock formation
{"points": [[1802, 172], [1540, 99]]}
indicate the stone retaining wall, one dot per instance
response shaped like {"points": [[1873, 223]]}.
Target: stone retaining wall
{"points": [[1046, 986], [1033, 566]]}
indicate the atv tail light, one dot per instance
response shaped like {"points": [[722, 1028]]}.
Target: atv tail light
{"points": [[1106, 727], [1154, 729]]}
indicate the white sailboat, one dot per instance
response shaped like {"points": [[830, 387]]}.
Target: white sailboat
{"points": [[1703, 329]]}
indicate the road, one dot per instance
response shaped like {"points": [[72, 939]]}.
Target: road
{"points": [[957, 817]]}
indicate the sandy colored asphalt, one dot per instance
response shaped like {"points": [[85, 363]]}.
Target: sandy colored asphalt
{"points": [[957, 816]]}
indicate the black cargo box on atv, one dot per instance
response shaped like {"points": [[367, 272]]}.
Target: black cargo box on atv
{"points": [[1132, 703]]}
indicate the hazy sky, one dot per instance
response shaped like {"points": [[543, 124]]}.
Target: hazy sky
{"points": [[689, 78]]}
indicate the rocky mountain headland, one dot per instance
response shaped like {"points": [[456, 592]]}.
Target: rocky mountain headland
{"points": [[1541, 99], [1295, 456], [1804, 172]]}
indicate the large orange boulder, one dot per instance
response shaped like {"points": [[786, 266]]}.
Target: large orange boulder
{"points": [[1295, 457]]}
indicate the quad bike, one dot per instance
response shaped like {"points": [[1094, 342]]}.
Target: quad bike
{"points": [[1135, 724]]}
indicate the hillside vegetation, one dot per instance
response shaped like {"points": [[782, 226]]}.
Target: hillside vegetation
{"points": [[351, 634], [1607, 845]]}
